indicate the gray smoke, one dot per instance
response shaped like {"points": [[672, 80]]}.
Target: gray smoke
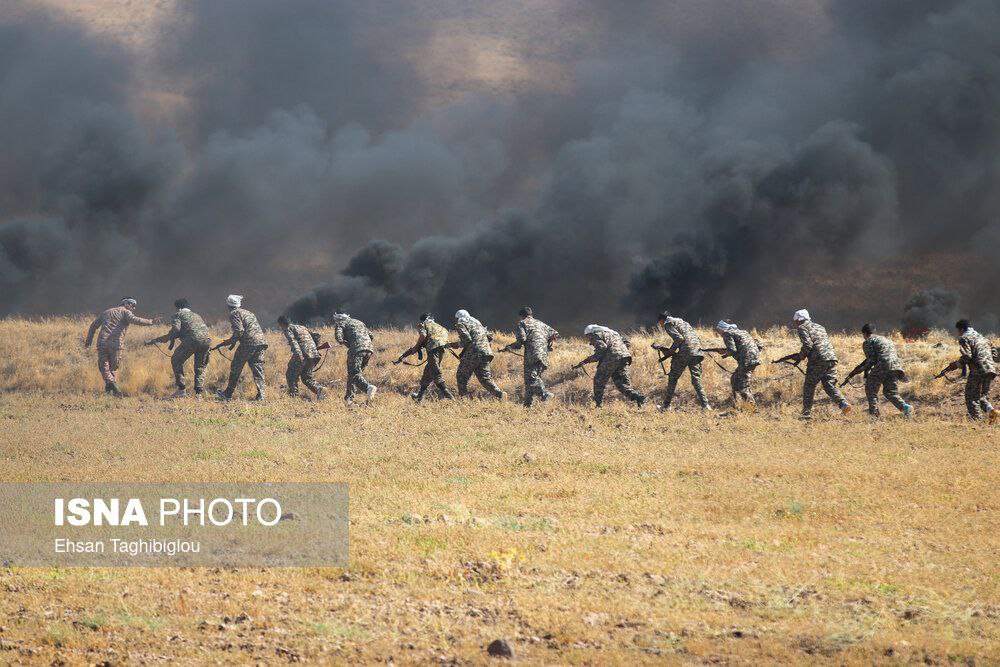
{"points": [[933, 308], [715, 158]]}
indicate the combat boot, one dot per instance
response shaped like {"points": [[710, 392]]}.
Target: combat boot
{"points": [[115, 391], [445, 392], [180, 393], [640, 401]]}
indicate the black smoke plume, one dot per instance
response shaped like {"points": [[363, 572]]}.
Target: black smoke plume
{"points": [[717, 158]]}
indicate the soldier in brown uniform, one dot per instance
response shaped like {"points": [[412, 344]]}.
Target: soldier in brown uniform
{"points": [[476, 355], [882, 370], [112, 325], [684, 353], [433, 339], [613, 357], [252, 345], [977, 353], [187, 327], [359, 341], [740, 345], [822, 367], [304, 358], [536, 337]]}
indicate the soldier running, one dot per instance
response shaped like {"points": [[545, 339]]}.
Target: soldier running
{"points": [[536, 337], [434, 339], [189, 328], [113, 323], [304, 358], [741, 346], [355, 336], [977, 355], [822, 367], [476, 355], [252, 345], [684, 353], [613, 357], [882, 370]]}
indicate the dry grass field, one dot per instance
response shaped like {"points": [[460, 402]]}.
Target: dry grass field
{"points": [[580, 536]]}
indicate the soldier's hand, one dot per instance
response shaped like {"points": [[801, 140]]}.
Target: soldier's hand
{"points": [[147, 343], [157, 320]]}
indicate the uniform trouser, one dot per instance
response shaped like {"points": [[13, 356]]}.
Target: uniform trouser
{"points": [[825, 373], [533, 383], [108, 359], [478, 364], [740, 382], [888, 382], [356, 363], [977, 389], [678, 363], [185, 351], [432, 373], [247, 355], [616, 370], [299, 368]]}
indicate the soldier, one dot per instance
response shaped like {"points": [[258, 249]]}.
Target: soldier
{"points": [[252, 344], [977, 354], [476, 355], [685, 353], [113, 323], [882, 370], [822, 367], [536, 337], [195, 341], [434, 339], [613, 357], [304, 358], [740, 345], [358, 339]]}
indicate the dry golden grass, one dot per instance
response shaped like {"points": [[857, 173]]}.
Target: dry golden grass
{"points": [[620, 538]]}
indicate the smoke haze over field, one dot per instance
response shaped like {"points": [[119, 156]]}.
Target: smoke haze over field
{"points": [[720, 159]]}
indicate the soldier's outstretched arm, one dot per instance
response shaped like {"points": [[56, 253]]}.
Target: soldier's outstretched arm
{"points": [[93, 329]]}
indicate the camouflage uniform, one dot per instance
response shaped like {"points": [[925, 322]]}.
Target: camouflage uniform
{"points": [[304, 358], [743, 348], [613, 359], [822, 367], [978, 354], [435, 341], [112, 323], [533, 335], [355, 336], [195, 341], [475, 357], [687, 354], [884, 372], [252, 344]]}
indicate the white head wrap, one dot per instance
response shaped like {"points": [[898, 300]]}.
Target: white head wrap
{"points": [[801, 315], [725, 326], [234, 300], [129, 301], [340, 316], [596, 328], [464, 315]]}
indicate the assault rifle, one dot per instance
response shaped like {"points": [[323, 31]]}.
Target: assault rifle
{"points": [[793, 359], [863, 367], [665, 353], [953, 366]]}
